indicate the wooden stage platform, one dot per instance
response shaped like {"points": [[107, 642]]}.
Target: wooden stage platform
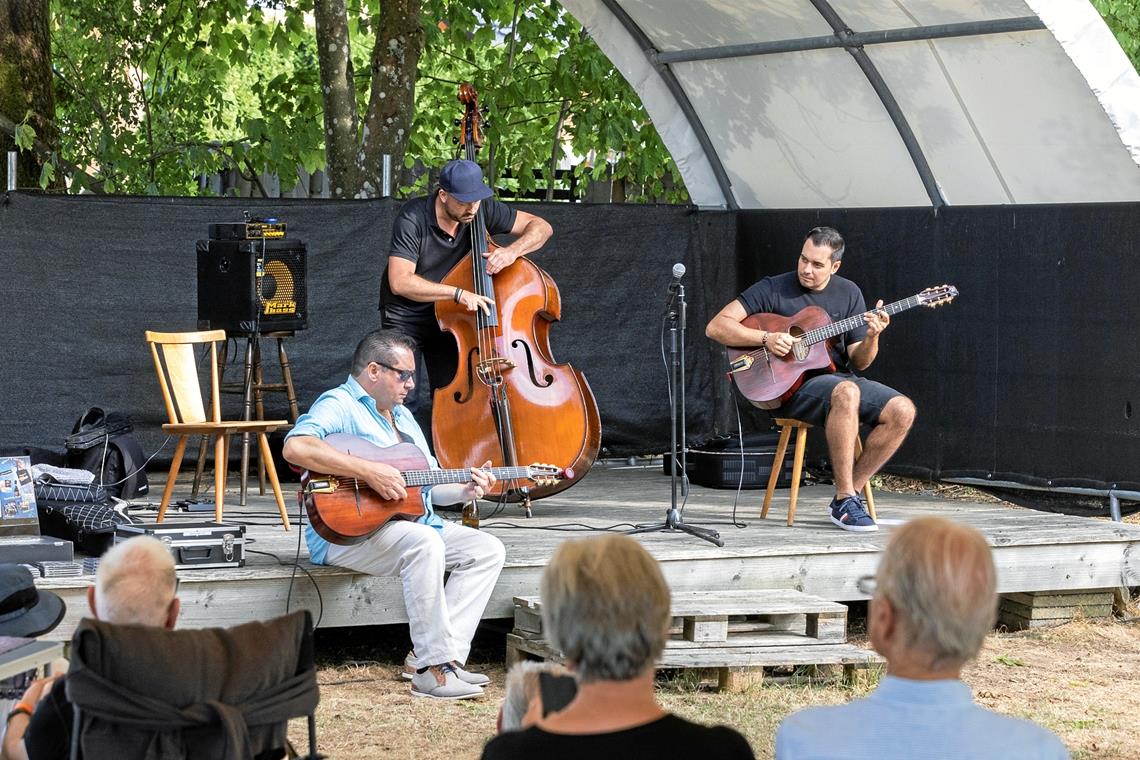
{"points": [[1034, 551]]}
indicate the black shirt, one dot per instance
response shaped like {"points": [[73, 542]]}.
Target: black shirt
{"points": [[784, 295], [666, 737], [49, 733], [418, 238]]}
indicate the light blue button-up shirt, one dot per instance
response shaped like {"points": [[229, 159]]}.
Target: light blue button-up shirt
{"points": [[349, 409], [917, 720]]}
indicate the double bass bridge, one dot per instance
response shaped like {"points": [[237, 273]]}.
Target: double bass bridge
{"points": [[490, 371]]}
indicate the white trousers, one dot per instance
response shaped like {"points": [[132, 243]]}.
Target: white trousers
{"points": [[442, 618]]}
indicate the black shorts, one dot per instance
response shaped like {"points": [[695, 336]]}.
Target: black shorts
{"points": [[812, 401]]}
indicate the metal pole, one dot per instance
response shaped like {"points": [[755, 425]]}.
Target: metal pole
{"points": [[11, 170], [386, 176]]}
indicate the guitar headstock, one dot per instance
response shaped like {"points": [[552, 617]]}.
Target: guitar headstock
{"points": [[547, 474], [937, 296]]}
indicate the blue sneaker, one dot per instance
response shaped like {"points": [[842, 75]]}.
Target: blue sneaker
{"points": [[850, 514]]}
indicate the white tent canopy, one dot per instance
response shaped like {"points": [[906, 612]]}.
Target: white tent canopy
{"points": [[870, 103]]}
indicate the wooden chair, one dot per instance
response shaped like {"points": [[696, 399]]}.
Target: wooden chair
{"points": [[786, 426], [178, 377]]}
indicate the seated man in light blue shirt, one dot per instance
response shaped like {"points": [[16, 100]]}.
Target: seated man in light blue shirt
{"points": [[933, 604], [441, 618]]}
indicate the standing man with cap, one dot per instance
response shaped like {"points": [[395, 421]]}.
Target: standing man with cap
{"points": [[429, 237]]}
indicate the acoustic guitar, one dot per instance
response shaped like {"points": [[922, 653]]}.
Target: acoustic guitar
{"points": [[346, 510], [768, 380]]}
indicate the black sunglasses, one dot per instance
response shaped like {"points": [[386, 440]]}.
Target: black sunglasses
{"points": [[403, 374]]}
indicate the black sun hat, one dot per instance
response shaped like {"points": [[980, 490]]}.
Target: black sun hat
{"points": [[25, 610]]}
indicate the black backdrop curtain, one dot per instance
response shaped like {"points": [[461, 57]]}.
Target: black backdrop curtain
{"points": [[1030, 375], [84, 276]]}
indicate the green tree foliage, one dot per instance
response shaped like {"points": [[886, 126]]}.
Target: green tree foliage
{"points": [[152, 96], [1123, 18]]}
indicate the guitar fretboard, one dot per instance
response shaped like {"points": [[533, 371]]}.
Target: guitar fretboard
{"points": [[440, 477], [846, 325]]}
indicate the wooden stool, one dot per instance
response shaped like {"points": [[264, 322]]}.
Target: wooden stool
{"points": [[801, 428]]}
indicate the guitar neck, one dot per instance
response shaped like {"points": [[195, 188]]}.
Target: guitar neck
{"points": [[441, 477], [833, 329]]}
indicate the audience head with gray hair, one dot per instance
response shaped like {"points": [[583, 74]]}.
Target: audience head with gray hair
{"points": [[933, 604], [136, 584], [935, 598], [605, 606]]}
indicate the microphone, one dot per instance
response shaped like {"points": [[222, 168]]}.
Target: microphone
{"points": [[675, 284], [678, 273]]}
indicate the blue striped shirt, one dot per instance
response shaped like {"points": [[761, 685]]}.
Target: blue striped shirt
{"points": [[348, 408]]}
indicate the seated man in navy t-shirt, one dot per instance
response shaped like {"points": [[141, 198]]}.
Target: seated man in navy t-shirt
{"points": [[840, 400]]}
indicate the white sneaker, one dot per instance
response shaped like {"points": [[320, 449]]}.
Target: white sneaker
{"points": [[476, 679], [442, 682]]}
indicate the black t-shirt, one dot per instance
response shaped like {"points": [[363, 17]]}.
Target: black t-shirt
{"points": [[417, 237], [49, 733], [667, 737], [784, 295]]}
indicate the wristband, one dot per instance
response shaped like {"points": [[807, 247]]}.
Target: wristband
{"points": [[20, 709], [764, 340], [457, 296]]}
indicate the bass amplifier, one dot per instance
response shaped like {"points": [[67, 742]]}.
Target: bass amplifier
{"points": [[194, 545], [247, 286]]}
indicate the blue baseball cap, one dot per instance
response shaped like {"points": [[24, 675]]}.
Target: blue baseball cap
{"points": [[463, 180]]}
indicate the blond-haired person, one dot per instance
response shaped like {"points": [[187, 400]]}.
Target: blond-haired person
{"points": [[934, 601], [605, 605]]}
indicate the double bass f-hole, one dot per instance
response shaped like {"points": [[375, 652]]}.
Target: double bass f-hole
{"points": [[530, 365]]}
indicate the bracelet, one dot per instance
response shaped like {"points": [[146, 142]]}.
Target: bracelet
{"points": [[457, 296], [764, 340], [20, 709]]}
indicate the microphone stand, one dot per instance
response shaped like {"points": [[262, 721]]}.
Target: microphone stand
{"points": [[674, 522]]}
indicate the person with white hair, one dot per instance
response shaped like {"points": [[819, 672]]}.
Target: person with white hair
{"points": [[134, 585], [606, 607], [933, 602], [533, 689]]}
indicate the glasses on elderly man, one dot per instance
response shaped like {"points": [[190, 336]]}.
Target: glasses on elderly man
{"points": [[867, 585]]}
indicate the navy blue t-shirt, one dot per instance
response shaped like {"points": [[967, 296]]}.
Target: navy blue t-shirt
{"points": [[417, 237], [785, 296]]}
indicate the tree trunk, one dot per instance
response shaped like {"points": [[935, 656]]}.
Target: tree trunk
{"points": [[339, 91], [26, 83], [391, 102]]}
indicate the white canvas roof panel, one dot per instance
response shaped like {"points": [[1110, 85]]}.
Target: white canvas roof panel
{"points": [[1015, 102]]}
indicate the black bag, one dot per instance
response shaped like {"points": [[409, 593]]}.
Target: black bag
{"points": [[101, 443], [58, 494], [91, 527]]}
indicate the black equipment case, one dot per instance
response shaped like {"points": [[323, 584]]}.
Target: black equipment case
{"points": [[194, 544]]}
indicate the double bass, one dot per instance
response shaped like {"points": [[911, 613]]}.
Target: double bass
{"points": [[509, 402]]}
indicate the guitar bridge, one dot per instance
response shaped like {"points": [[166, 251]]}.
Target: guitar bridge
{"points": [[740, 364], [324, 485]]}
